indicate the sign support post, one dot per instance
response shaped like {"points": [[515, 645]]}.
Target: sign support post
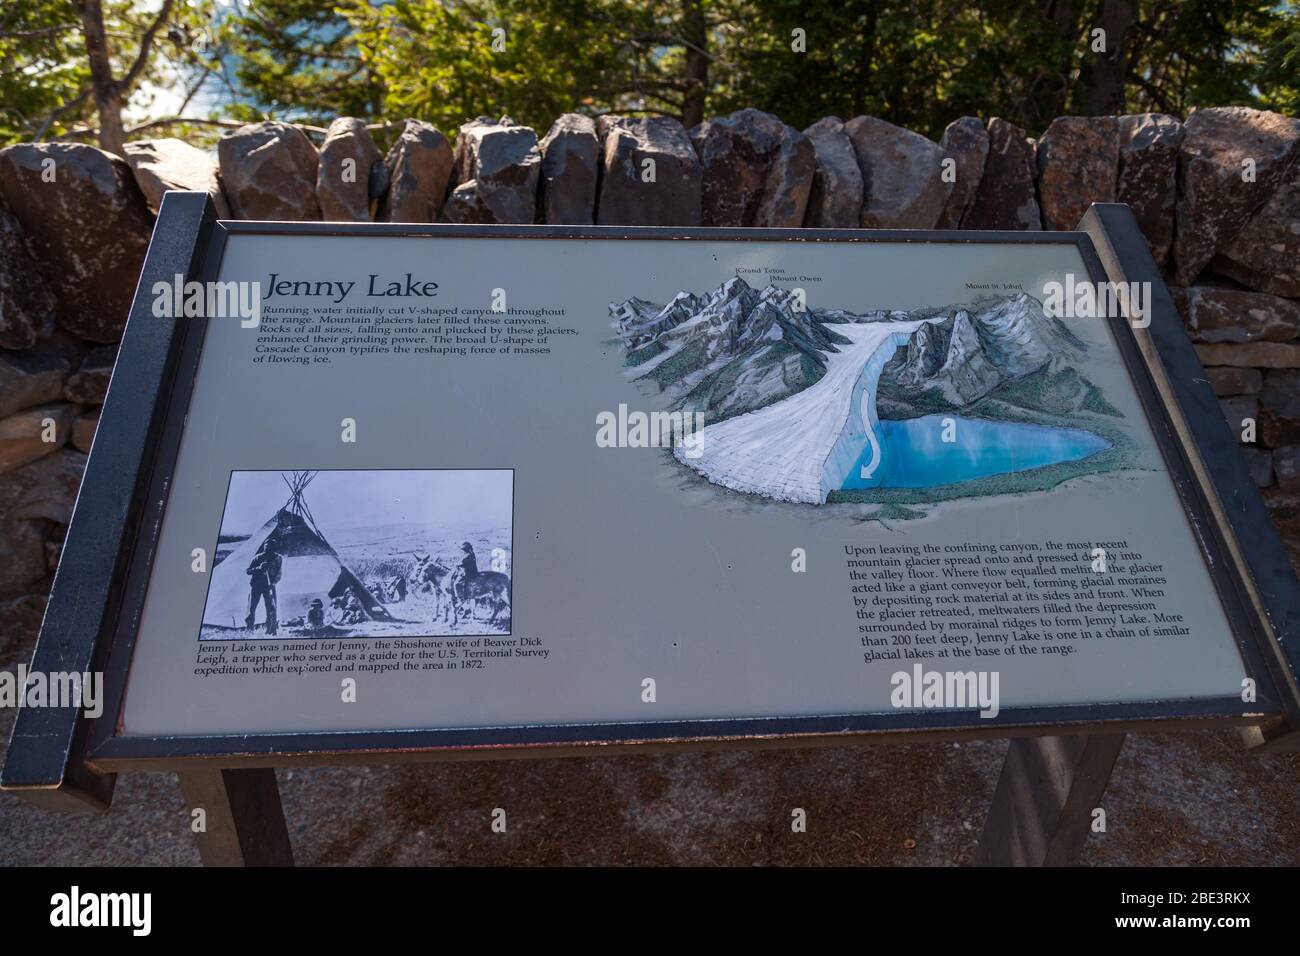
{"points": [[1043, 806], [240, 819]]}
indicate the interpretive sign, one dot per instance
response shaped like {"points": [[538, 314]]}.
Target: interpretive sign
{"points": [[429, 489]]}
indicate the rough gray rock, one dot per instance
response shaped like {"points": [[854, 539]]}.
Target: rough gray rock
{"points": [[419, 169], [1232, 315], [33, 376], [44, 489], [1214, 202], [89, 384], [1265, 255], [651, 175], [22, 556], [88, 230], [902, 181], [757, 171], [966, 142], [1279, 403], [835, 200], [348, 158], [1148, 176], [1235, 381], [268, 171], [163, 164], [1260, 465], [570, 171], [26, 302], [1286, 465], [1239, 411], [496, 171], [1078, 161], [30, 497], [20, 620], [1006, 197]]}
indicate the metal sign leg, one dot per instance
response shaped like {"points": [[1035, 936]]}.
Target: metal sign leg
{"points": [[1043, 807], [242, 820]]}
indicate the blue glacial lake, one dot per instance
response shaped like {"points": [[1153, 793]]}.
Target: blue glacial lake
{"points": [[916, 456]]}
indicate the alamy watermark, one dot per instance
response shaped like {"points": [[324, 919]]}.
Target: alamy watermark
{"points": [[637, 429], [56, 689], [1098, 300], [950, 690], [75, 908], [211, 300]]}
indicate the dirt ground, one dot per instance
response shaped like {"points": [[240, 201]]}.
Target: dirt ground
{"points": [[1187, 799]]}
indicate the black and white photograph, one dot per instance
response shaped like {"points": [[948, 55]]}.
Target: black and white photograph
{"points": [[362, 554]]}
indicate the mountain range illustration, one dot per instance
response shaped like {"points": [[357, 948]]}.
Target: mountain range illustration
{"points": [[736, 349]]}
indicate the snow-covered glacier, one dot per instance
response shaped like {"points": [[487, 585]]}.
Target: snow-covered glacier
{"points": [[803, 447]]}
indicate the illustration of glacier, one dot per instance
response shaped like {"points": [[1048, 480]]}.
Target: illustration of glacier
{"points": [[802, 404]]}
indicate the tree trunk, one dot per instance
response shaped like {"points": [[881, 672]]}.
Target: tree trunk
{"points": [[1101, 84], [108, 97], [862, 67], [695, 32]]}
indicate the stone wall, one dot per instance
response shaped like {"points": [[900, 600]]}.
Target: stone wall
{"points": [[1217, 195]]}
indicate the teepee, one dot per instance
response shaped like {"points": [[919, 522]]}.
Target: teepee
{"points": [[310, 568]]}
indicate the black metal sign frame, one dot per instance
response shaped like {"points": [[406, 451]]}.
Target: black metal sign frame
{"points": [[60, 759]]}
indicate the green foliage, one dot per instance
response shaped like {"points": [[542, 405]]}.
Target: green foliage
{"points": [[45, 75], [297, 60], [449, 60], [918, 63], [41, 66]]}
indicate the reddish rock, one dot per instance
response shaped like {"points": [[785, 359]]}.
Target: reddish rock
{"points": [[348, 163], [757, 171], [89, 384], [1286, 465], [650, 173], [1007, 196], [1231, 315], [33, 376], [26, 301], [268, 171], [23, 434], [419, 169], [1215, 201], [83, 430], [496, 169], [1256, 354], [1078, 162], [160, 165], [1148, 176], [88, 229], [835, 199], [1265, 255], [570, 171], [902, 175], [966, 142]]}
